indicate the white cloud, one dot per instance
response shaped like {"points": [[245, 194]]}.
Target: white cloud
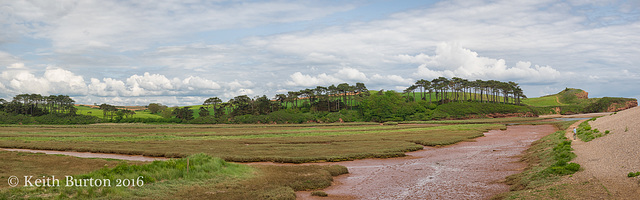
{"points": [[20, 79], [345, 74], [453, 60], [54, 81], [351, 74], [391, 80], [153, 82], [7, 58], [185, 53], [16, 66], [233, 85], [195, 82], [74, 26]]}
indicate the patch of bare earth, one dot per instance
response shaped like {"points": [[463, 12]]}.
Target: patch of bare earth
{"points": [[607, 160]]}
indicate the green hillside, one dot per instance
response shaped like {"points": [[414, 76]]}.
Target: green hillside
{"points": [[544, 101], [84, 110], [574, 101]]}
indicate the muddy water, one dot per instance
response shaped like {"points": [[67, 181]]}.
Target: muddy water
{"points": [[91, 155], [467, 170]]}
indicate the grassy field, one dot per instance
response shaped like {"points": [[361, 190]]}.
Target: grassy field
{"points": [[98, 113], [544, 101], [243, 143], [209, 177]]}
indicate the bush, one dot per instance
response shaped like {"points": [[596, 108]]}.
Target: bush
{"points": [[319, 193], [585, 133], [562, 154], [331, 117], [6, 118], [602, 104], [633, 174]]}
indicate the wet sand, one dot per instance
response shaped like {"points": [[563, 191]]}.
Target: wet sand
{"points": [[467, 170], [92, 155]]}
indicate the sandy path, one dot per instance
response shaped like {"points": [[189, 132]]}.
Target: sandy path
{"points": [[606, 161], [467, 170]]}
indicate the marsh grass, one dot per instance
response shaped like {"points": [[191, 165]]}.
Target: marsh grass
{"points": [[508, 120], [22, 164], [547, 160], [207, 178], [242, 143], [319, 193]]}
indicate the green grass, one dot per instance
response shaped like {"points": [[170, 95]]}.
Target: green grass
{"points": [[451, 96], [243, 143], [84, 110], [542, 101], [547, 160], [206, 178], [586, 133], [508, 120], [319, 193]]}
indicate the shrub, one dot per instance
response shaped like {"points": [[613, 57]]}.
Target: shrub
{"points": [[633, 174], [562, 154], [602, 104], [585, 133], [319, 193], [57, 118]]}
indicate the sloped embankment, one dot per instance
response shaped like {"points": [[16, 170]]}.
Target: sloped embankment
{"points": [[607, 160]]}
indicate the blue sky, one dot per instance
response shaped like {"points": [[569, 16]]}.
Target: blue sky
{"points": [[182, 52]]}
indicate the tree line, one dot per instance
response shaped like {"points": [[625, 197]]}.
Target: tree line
{"points": [[111, 111], [460, 89], [327, 99], [331, 99], [38, 105]]}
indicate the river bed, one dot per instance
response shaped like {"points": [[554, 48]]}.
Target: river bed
{"points": [[466, 170]]}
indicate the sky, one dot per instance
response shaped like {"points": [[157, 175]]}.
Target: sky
{"points": [[185, 51]]}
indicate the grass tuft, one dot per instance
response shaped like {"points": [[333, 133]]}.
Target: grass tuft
{"points": [[319, 193], [585, 133]]}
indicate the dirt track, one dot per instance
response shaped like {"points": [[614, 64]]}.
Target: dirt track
{"points": [[467, 170]]}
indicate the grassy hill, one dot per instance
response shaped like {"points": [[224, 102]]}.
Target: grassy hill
{"points": [[551, 100], [573, 101], [568, 101], [85, 110]]}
